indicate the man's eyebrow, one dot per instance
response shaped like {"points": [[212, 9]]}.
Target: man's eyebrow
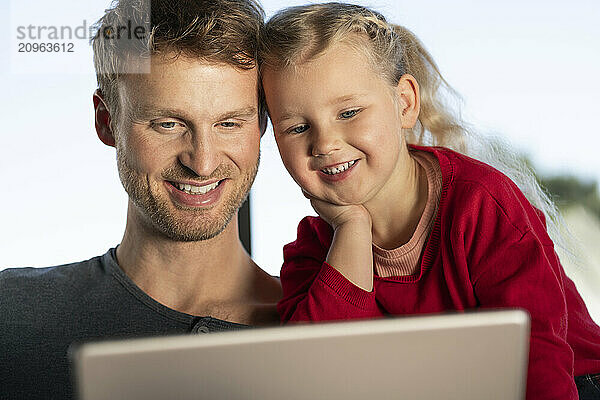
{"points": [[144, 113], [245, 112]]}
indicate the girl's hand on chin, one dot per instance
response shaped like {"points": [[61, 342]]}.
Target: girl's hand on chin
{"points": [[337, 215]]}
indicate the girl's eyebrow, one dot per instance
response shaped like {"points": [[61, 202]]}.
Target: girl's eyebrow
{"points": [[338, 100], [346, 98], [285, 116]]}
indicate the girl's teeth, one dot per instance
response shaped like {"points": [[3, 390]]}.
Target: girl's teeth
{"points": [[339, 168], [190, 189]]}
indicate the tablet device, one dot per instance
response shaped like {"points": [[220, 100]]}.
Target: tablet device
{"points": [[473, 355]]}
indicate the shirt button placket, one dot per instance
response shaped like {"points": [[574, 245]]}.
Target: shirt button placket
{"points": [[200, 327]]}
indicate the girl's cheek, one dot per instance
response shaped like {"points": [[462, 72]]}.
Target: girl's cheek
{"points": [[288, 160]]}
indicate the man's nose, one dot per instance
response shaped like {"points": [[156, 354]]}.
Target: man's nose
{"points": [[325, 141], [201, 154]]}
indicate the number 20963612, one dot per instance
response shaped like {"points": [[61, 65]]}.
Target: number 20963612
{"points": [[26, 47]]}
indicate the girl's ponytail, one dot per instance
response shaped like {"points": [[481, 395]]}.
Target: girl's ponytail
{"points": [[437, 124]]}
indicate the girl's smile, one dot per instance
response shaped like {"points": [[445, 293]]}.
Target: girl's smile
{"points": [[337, 172]]}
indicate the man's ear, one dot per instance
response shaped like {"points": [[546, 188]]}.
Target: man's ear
{"points": [[409, 100], [102, 120]]}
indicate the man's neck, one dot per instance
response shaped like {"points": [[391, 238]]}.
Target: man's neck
{"points": [[210, 277]]}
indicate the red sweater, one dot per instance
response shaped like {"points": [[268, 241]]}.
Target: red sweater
{"points": [[488, 248]]}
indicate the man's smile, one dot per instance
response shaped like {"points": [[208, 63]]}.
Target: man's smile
{"points": [[196, 189], [190, 195]]}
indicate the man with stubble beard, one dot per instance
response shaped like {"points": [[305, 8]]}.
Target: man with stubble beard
{"points": [[181, 106]]}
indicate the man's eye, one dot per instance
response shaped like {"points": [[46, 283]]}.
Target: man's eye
{"points": [[299, 129], [168, 125], [348, 114], [228, 124]]}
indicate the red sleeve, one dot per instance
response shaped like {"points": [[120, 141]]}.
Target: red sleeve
{"points": [[312, 289], [514, 265]]}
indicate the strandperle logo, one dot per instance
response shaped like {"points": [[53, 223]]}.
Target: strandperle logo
{"points": [[130, 31]]}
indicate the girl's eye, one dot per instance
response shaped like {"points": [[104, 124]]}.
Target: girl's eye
{"points": [[299, 129], [348, 114]]}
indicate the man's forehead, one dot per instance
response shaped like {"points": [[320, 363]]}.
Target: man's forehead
{"points": [[186, 71], [184, 84]]}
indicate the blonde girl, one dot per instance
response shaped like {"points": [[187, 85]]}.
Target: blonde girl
{"points": [[406, 225]]}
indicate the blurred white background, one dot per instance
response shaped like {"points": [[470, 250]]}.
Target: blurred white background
{"points": [[529, 71]]}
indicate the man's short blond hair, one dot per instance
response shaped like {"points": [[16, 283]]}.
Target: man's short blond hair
{"points": [[221, 31]]}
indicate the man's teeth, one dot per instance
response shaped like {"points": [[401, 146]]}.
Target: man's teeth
{"points": [[339, 168], [190, 189]]}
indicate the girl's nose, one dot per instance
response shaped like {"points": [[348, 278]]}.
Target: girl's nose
{"points": [[324, 142]]}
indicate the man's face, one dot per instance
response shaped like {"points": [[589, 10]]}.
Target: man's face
{"points": [[188, 145]]}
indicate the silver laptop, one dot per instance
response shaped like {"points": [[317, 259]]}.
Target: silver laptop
{"points": [[476, 355]]}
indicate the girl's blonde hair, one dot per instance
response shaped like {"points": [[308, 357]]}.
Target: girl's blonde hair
{"points": [[299, 34]]}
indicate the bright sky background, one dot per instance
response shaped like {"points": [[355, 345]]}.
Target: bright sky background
{"points": [[528, 70]]}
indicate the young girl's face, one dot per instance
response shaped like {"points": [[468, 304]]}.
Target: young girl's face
{"points": [[338, 126]]}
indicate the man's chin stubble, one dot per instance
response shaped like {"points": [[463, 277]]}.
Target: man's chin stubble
{"points": [[159, 218], [194, 229]]}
